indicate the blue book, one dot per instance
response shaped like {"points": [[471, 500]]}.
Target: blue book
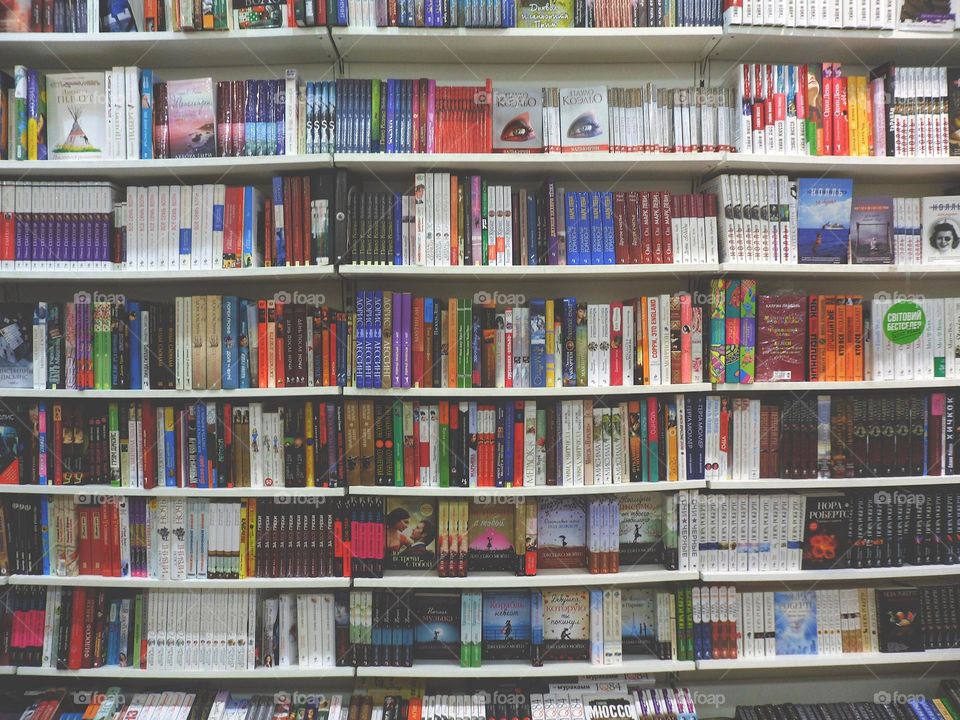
{"points": [[218, 213], [609, 251], [368, 336], [532, 256], [700, 440], [243, 346], [538, 343], [583, 227], [250, 118], [266, 130], [311, 110], [201, 413], [133, 315], [823, 220], [252, 217], [391, 101], [45, 535], [475, 345], [113, 634], [279, 240], [170, 455], [500, 447], [397, 228], [596, 228], [366, 112], [124, 624], [341, 353], [230, 331], [573, 234], [146, 114], [360, 339], [408, 116], [343, 13], [339, 89], [796, 622], [508, 442]]}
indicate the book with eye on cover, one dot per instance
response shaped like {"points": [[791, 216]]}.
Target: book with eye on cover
{"points": [[517, 118], [583, 119]]}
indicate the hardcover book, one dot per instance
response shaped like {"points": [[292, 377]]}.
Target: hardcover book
{"points": [[411, 534], [940, 220], [561, 533], [638, 608], [490, 537], [871, 230], [545, 14], [823, 220], [566, 624], [506, 626], [16, 345], [583, 119], [641, 529], [436, 633], [796, 622], [825, 533], [781, 338], [517, 119], [898, 620], [77, 115], [192, 118]]}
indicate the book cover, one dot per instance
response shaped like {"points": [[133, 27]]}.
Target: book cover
{"points": [[517, 118], [583, 119], [561, 531], [641, 529], [566, 624], [12, 447], [436, 626], [604, 706], [898, 620], [953, 110], [192, 118], [76, 115], [506, 626], [16, 345], [940, 220], [823, 220], [545, 14], [796, 622], [411, 533], [781, 338], [638, 608], [871, 230], [825, 532], [490, 537], [15, 16], [928, 15]]}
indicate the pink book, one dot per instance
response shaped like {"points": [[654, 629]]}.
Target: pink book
{"points": [[191, 118], [686, 325], [476, 241], [431, 115]]}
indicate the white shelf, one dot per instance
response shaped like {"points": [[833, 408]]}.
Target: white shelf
{"points": [[260, 274], [573, 165], [825, 387], [8, 670], [461, 273], [119, 673], [830, 661], [322, 583], [173, 395], [520, 670], [867, 169], [543, 578], [529, 490], [524, 45], [536, 392], [180, 170], [211, 493], [832, 483], [816, 576], [55, 52], [916, 272]]}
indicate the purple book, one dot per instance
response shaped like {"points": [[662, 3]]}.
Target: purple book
{"points": [[361, 326], [395, 360], [333, 471], [476, 239], [405, 322], [279, 116]]}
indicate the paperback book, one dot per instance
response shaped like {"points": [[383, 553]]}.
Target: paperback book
{"points": [[561, 533], [823, 220], [436, 634], [506, 626], [77, 115], [583, 119], [491, 537], [871, 230], [191, 118], [940, 217], [517, 119], [796, 622], [411, 533]]}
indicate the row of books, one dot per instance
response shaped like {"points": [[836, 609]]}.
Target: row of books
{"points": [[849, 14], [463, 220], [820, 109]]}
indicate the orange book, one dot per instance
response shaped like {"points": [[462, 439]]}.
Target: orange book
{"points": [[828, 337], [840, 356], [855, 333], [643, 347]]}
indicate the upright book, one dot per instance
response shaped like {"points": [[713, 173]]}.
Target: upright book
{"points": [[77, 115], [871, 230], [823, 220], [517, 118], [192, 118]]}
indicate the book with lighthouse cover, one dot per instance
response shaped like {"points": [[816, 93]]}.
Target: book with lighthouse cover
{"points": [[76, 115]]}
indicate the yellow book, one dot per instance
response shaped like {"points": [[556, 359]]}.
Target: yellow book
{"points": [[243, 538], [309, 444], [853, 117], [550, 349], [672, 457], [251, 537], [643, 348]]}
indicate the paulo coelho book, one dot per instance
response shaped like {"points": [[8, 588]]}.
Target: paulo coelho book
{"points": [[517, 119], [191, 118], [823, 220], [583, 119]]}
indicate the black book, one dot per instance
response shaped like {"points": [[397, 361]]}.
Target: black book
{"points": [[826, 532], [899, 620], [436, 624]]}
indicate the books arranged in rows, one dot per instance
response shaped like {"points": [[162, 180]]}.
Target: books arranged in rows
{"points": [[440, 13], [205, 342], [524, 443], [80, 628], [811, 221], [56, 16], [821, 109], [406, 341], [186, 539], [922, 16], [147, 445], [463, 220]]}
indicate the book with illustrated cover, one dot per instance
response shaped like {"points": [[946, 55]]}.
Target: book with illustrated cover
{"points": [[506, 626], [929, 15], [16, 345], [940, 222], [781, 338], [898, 620], [825, 532], [823, 220], [517, 118], [641, 529], [411, 534], [871, 230], [583, 119], [545, 14], [192, 118], [638, 609], [13, 448], [76, 115], [566, 624], [490, 537], [953, 110], [796, 622], [561, 533], [436, 626]]}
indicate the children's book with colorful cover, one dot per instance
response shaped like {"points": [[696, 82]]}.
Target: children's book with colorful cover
{"points": [[192, 118], [76, 115], [823, 220], [796, 622]]}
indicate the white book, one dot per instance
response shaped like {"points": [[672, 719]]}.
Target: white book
{"points": [[652, 331], [131, 77], [219, 200], [664, 317]]}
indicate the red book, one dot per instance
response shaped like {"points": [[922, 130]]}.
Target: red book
{"points": [[262, 351], [7, 236], [841, 131], [268, 233], [280, 355], [417, 342], [305, 224], [148, 438], [616, 343], [115, 539], [518, 443], [621, 238], [87, 619], [827, 148], [686, 321], [57, 444], [288, 218], [666, 216], [97, 547], [935, 446], [646, 228], [633, 228], [813, 338], [75, 654]]}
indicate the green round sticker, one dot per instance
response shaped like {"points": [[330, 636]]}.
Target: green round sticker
{"points": [[904, 322]]}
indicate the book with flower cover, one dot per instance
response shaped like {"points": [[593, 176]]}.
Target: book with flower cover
{"points": [[192, 118]]}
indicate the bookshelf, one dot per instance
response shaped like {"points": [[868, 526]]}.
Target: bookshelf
{"points": [[544, 578], [507, 669], [529, 490], [96, 581], [94, 491]]}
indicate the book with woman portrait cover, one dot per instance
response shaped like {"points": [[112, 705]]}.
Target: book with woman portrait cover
{"points": [[411, 534], [940, 220]]}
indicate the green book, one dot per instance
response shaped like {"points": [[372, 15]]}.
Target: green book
{"points": [[445, 443], [136, 661], [113, 421], [580, 360], [484, 230], [375, 115], [397, 413]]}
